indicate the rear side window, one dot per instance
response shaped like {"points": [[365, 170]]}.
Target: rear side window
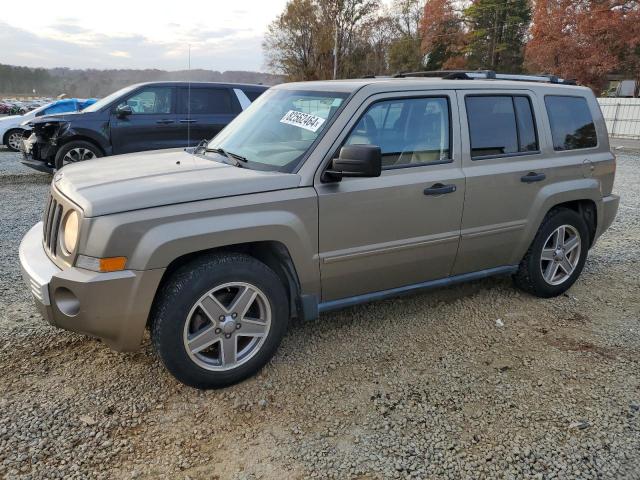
{"points": [[252, 95], [205, 101], [571, 123], [501, 125]]}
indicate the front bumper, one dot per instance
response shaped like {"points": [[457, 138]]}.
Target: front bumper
{"points": [[111, 306], [37, 155], [38, 165]]}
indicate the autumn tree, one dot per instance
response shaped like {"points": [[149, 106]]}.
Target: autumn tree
{"points": [[585, 39], [442, 35], [496, 37], [344, 20], [300, 42], [372, 55], [295, 43], [405, 52]]}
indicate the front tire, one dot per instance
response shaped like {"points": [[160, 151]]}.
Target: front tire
{"points": [[557, 255], [76, 151], [219, 320], [13, 139]]}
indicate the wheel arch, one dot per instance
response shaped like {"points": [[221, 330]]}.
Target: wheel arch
{"points": [[5, 137], [587, 209], [581, 196], [80, 137], [272, 253]]}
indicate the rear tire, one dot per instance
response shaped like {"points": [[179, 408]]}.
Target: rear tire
{"points": [[13, 138], [76, 151], [219, 319], [556, 256]]}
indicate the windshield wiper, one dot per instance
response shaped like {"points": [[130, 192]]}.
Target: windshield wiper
{"points": [[232, 159], [230, 155]]}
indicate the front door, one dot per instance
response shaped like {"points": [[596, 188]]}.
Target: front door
{"points": [[151, 126], [403, 227]]}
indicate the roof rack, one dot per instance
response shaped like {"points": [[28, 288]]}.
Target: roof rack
{"points": [[486, 74]]}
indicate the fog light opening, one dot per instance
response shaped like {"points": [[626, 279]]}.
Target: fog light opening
{"points": [[66, 301]]}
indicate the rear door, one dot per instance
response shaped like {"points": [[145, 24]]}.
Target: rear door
{"points": [[204, 111], [151, 126], [401, 228], [506, 162]]}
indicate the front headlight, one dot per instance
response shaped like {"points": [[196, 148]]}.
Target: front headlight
{"points": [[71, 230]]}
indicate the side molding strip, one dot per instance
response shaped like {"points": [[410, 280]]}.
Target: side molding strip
{"points": [[393, 292]]}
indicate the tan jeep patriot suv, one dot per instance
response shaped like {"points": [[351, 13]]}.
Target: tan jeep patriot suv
{"points": [[319, 196]]}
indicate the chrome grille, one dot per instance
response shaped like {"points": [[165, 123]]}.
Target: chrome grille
{"points": [[55, 210], [51, 225]]}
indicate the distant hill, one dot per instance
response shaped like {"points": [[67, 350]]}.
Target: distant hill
{"points": [[98, 83]]}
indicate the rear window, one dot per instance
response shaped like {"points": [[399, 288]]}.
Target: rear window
{"points": [[571, 123], [500, 125], [205, 101]]}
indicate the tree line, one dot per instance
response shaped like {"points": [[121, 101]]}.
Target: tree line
{"points": [[99, 83], [579, 39]]}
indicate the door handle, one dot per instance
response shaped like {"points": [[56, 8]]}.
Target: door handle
{"points": [[164, 122], [187, 121], [533, 177], [439, 189]]}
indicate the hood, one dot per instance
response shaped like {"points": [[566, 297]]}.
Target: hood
{"points": [[162, 177], [9, 118], [58, 117]]}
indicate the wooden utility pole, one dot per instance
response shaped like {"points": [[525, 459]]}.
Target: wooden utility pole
{"points": [[335, 51]]}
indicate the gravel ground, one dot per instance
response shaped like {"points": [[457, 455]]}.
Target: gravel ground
{"points": [[427, 386]]}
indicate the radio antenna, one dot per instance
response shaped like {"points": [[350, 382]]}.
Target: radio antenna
{"points": [[189, 101]]}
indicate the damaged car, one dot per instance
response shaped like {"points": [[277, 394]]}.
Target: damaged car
{"points": [[12, 128], [148, 116]]}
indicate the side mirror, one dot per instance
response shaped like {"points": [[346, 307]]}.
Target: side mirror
{"points": [[355, 161], [124, 110]]}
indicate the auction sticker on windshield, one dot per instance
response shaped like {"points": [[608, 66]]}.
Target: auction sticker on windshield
{"points": [[303, 120]]}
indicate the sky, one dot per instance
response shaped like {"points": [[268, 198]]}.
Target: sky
{"points": [[223, 34]]}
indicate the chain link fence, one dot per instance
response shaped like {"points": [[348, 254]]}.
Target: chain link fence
{"points": [[622, 116]]}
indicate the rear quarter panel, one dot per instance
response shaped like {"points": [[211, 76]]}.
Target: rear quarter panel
{"points": [[583, 174]]}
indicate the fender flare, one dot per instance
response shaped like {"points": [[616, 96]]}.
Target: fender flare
{"points": [[551, 196]]}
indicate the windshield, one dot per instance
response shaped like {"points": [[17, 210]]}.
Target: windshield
{"points": [[279, 127], [40, 109], [108, 99]]}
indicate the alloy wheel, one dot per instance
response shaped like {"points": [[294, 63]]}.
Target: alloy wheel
{"points": [[227, 326], [560, 254], [14, 140], [78, 154]]}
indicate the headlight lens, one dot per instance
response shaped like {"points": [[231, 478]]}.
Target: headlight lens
{"points": [[71, 230]]}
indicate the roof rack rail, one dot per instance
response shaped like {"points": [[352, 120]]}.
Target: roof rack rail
{"points": [[487, 74], [449, 74]]}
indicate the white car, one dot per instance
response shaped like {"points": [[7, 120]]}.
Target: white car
{"points": [[11, 127]]}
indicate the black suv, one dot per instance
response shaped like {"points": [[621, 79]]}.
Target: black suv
{"points": [[146, 116]]}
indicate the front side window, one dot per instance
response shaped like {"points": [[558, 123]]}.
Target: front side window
{"points": [[150, 101], [103, 102], [204, 101], [571, 123], [408, 131], [500, 125], [277, 130]]}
